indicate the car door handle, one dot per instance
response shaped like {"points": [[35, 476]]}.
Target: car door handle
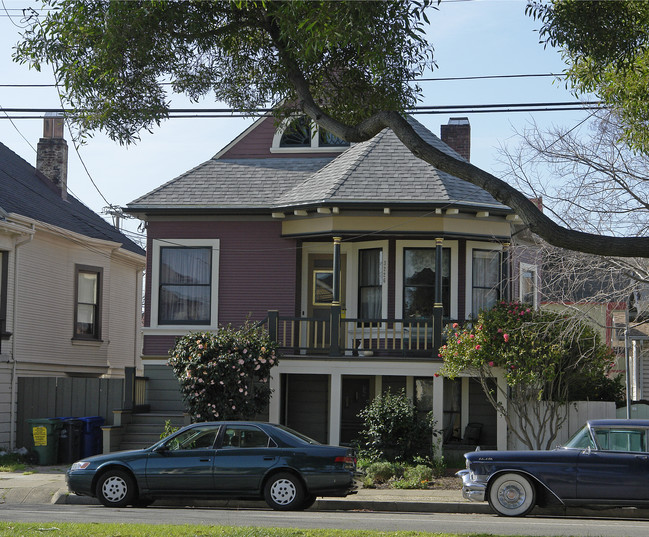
{"points": [[204, 460], [269, 458], [642, 457]]}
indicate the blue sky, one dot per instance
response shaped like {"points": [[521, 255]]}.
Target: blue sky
{"points": [[471, 38]]}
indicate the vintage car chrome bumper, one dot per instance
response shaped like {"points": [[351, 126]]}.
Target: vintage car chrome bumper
{"points": [[471, 489]]}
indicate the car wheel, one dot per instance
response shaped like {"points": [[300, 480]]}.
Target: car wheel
{"points": [[308, 501], [284, 492], [116, 488], [512, 495]]}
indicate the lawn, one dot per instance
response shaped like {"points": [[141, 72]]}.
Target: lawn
{"points": [[65, 529]]}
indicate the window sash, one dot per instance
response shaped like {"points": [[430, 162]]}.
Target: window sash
{"points": [[87, 312], [370, 287], [185, 285], [486, 279], [419, 281]]}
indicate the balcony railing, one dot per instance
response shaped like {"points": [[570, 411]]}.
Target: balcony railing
{"points": [[354, 336]]}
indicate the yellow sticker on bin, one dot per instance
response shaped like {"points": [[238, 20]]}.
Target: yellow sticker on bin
{"points": [[40, 436]]}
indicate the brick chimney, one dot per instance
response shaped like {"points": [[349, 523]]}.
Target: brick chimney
{"points": [[457, 135], [52, 152]]}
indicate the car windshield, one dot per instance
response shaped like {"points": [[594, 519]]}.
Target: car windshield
{"points": [[301, 436], [581, 440]]}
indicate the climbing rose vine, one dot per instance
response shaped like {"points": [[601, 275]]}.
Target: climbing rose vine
{"points": [[225, 374]]}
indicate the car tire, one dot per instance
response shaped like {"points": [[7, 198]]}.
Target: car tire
{"points": [[116, 488], [309, 500], [284, 492], [512, 495]]}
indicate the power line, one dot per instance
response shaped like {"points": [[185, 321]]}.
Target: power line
{"points": [[441, 109]]}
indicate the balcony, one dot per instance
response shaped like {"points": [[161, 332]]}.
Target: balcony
{"points": [[338, 336]]}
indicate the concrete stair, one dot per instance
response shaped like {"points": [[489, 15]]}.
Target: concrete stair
{"points": [[144, 429]]}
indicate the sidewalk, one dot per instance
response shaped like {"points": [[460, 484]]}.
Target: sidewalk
{"points": [[47, 485]]}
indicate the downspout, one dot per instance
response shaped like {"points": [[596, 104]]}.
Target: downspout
{"points": [[14, 379]]}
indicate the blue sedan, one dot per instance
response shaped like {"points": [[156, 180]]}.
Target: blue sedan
{"points": [[606, 463], [233, 460]]}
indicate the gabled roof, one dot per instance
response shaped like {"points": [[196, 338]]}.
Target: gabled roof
{"points": [[380, 170], [27, 192]]}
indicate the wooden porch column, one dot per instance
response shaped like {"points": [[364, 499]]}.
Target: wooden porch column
{"points": [[507, 284], [335, 398], [438, 307], [334, 348]]}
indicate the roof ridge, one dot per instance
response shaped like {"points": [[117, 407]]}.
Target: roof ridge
{"points": [[362, 154]]}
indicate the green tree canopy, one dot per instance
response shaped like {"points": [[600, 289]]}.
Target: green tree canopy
{"points": [[350, 66], [606, 47]]}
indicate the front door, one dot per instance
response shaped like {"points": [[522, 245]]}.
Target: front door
{"points": [[355, 397], [320, 298]]}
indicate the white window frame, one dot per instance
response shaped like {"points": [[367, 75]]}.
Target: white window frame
{"points": [[155, 284], [470, 246], [398, 287], [315, 142], [523, 267]]}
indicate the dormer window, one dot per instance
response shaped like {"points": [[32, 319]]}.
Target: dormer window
{"points": [[302, 135]]}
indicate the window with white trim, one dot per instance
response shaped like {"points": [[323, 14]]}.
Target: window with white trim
{"points": [[184, 282], [486, 278], [419, 281], [87, 314], [528, 287], [301, 134], [370, 288]]}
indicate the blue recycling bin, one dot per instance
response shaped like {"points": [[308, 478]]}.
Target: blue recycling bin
{"points": [[91, 439]]}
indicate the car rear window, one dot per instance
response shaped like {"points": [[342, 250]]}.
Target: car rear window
{"points": [[621, 439]]}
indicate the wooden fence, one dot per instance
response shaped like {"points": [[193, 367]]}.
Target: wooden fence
{"points": [[59, 397]]}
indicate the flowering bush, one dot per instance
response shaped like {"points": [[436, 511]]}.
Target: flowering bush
{"points": [[545, 349], [224, 375], [543, 356]]}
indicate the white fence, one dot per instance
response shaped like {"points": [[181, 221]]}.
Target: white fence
{"points": [[578, 413]]}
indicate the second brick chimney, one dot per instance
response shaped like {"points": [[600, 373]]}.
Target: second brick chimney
{"points": [[457, 135], [52, 152]]}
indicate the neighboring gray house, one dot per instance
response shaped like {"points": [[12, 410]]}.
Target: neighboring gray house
{"points": [[70, 283]]}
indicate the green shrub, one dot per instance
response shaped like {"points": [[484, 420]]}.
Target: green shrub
{"points": [[383, 471], [415, 477], [168, 430], [393, 431]]}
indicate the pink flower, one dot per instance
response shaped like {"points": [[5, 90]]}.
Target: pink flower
{"points": [[491, 364], [234, 407], [200, 346], [455, 325], [472, 336], [437, 374], [500, 330], [439, 355], [513, 367], [245, 351], [506, 337], [477, 347], [240, 390], [241, 362]]}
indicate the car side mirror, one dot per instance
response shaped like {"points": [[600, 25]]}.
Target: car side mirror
{"points": [[161, 449]]}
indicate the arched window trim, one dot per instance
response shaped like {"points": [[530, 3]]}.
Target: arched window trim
{"points": [[315, 142]]}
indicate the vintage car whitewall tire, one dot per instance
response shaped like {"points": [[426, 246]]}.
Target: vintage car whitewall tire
{"points": [[512, 494]]}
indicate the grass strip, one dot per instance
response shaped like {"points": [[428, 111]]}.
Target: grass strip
{"points": [[69, 529]]}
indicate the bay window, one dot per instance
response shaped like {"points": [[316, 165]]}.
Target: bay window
{"points": [[419, 282], [370, 290], [486, 279]]}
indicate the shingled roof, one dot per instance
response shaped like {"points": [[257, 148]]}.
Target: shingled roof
{"points": [[27, 192], [380, 170]]}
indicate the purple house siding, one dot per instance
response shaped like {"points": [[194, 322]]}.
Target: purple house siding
{"points": [[257, 267], [257, 271], [157, 345]]}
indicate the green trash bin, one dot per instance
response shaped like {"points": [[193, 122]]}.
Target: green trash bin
{"points": [[45, 439]]}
